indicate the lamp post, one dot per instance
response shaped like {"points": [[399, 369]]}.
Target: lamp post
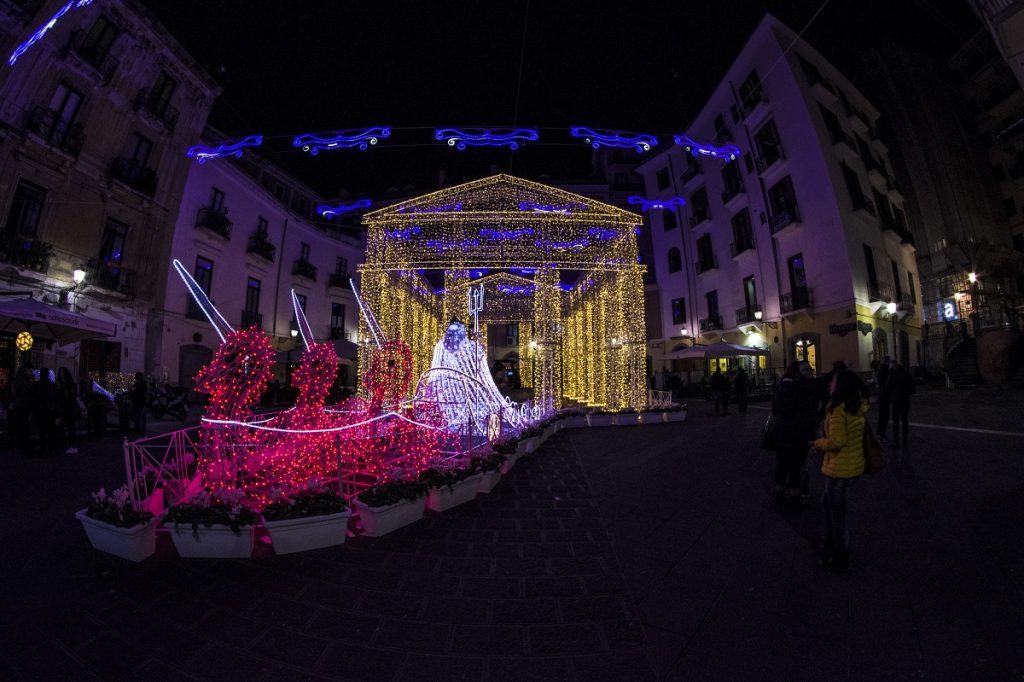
{"points": [[890, 308], [972, 277], [759, 316]]}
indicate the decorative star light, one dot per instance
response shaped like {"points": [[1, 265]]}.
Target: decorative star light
{"points": [[548, 208], [330, 211], [648, 204], [342, 139], [729, 152], [201, 153], [642, 142], [476, 137], [38, 34]]}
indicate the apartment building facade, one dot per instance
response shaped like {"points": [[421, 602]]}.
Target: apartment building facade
{"points": [[94, 118], [800, 245]]}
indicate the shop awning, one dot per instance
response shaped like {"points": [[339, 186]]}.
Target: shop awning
{"points": [[50, 322], [715, 350]]}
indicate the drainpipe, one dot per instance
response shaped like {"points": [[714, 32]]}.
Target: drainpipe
{"points": [[277, 286]]}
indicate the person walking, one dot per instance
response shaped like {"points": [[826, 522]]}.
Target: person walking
{"points": [[795, 411], [720, 391], [884, 397], [843, 461], [901, 387], [44, 407], [67, 408], [21, 409], [140, 399], [739, 383]]}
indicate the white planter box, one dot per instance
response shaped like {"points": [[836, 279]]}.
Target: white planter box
{"points": [[179, 490], [627, 419], [510, 461], [446, 497], [522, 445], [312, 532], [134, 544], [532, 444], [677, 416], [488, 480], [574, 422], [379, 521], [600, 419], [548, 432], [216, 542]]}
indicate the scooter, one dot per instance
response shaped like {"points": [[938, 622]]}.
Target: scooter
{"points": [[169, 401]]}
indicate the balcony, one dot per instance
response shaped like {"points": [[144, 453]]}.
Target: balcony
{"points": [[303, 268], [699, 216], [692, 171], [87, 53], [156, 109], [862, 203], [780, 220], [251, 318], [741, 246], [880, 291], [215, 220], [843, 144], [338, 280], [710, 323], [770, 155], [822, 89], [110, 275], [47, 125], [338, 333], [705, 264], [732, 191], [746, 315], [801, 298], [752, 100], [260, 245], [133, 174], [25, 251]]}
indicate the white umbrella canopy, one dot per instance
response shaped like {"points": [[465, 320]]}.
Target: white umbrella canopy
{"points": [[715, 350], [50, 322]]}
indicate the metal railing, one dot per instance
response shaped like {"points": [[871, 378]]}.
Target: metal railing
{"points": [[303, 268], [705, 264], [109, 275], [88, 50], [25, 251], [746, 315], [781, 219], [741, 246], [880, 291], [133, 174], [216, 220], [157, 107], [731, 191], [699, 216], [710, 323], [48, 125], [251, 318], [339, 280], [800, 298], [692, 171], [261, 245]]}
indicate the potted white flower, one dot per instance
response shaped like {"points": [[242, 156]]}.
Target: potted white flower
{"points": [[449, 487], [313, 518], [213, 525], [390, 506], [489, 466], [113, 526]]}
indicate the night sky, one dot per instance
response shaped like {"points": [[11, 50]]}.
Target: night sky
{"points": [[314, 65]]}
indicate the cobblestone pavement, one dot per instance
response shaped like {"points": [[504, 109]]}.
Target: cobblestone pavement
{"points": [[630, 553]]}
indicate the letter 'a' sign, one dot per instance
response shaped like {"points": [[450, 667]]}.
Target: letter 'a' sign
{"points": [[949, 310]]}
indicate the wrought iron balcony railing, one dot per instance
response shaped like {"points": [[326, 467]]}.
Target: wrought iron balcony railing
{"points": [[260, 244], [157, 108], [48, 125], [90, 51], [251, 318], [216, 220], [711, 323], [746, 315], [303, 268], [339, 280], [880, 291], [133, 174], [781, 219], [25, 251], [740, 246], [110, 275], [705, 264], [800, 298]]}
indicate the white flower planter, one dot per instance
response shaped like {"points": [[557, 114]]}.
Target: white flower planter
{"points": [[574, 422], [178, 490], [134, 544], [446, 497], [216, 542], [532, 444], [677, 416], [600, 419], [488, 480], [510, 461], [627, 419], [379, 521], [312, 532]]}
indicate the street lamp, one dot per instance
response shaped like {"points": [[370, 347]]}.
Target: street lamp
{"points": [[890, 308], [78, 276], [972, 277]]}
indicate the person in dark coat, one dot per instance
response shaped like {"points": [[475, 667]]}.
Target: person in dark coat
{"points": [[720, 391], [21, 409], [884, 397], [795, 411], [739, 383], [67, 408], [44, 409], [140, 399], [901, 387]]}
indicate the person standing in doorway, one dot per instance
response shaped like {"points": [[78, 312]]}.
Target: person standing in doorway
{"points": [[67, 406], [140, 398], [739, 383], [884, 397], [901, 387]]}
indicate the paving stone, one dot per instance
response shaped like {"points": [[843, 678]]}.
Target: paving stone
{"points": [[489, 640], [290, 647], [456, 610], [361, 664], [227, 628], [433, 668], [391, 604], [530, 669], [614, 667], [563, 586], [525, 611], [410, 635], [345, 626], [470, 566], [431, 584], [591, 608], [491, 587], [520, 567], [565, 640]]}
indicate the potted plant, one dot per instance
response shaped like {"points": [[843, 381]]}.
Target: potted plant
{"points": [[213, 525], [489, 466], [315, 517], [449, 487], [150, 491], [599, 418], [508, 449], [182, 489], [114, 527], [390, 506]]}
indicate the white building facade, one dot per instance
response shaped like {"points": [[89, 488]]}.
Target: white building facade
{"points": [[800, 244]]}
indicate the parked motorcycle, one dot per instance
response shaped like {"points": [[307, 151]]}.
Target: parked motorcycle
{"points": [[168, 400]]}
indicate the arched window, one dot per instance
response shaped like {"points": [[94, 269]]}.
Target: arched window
{"points": [[675, 261]]}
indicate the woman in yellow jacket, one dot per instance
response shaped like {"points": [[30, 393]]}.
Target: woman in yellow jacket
{"points": [[843, 448]]}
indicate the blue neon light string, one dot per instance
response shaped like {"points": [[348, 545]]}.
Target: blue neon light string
{"points": [[203, 153], [642, 142], [474, 137], [330, 211], [363, 138], [728, 152], [38, 34], [649, 204]]}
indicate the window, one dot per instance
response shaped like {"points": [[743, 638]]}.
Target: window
{"points": [[26, 207], [769, 146], [750, 91], [139, 150], [160, 95], [621, 179], [204, 278], [252, 295], [304, 252], [869, 263], [261, 226], [341, 265], [782, 198], [112, 243], [65, 104], [675, 261], [663, 179], [721, 130], [98, 41], [705, 254], [1010, 206], [1018, 243], [910, 287], [668, 219], [896, 281], [797, 274], [678, 311], [853, 187], [742, 231], [884, 210], [338, 316], [750, 296], [832, 124], [712, 302], [302, 301], [216, 200], [699, 207], [732, 180]]}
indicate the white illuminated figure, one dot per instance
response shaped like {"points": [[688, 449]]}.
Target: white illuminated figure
{"points": [[463, 386]]}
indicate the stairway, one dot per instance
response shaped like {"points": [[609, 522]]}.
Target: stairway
{"points": [[962, 364]]}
